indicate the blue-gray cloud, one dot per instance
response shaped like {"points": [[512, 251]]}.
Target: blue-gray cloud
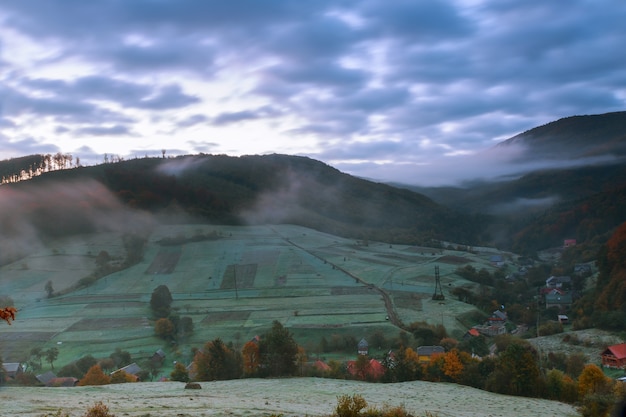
{"points": [[405, 81], [244, 115], [117, 130], [128, 94]]}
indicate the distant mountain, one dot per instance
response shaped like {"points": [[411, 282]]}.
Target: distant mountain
{"points": [[576, 137], [581, 196], [582, 200]]}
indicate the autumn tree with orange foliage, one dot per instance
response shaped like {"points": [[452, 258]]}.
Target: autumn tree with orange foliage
{"points": [[95, 376], [250, 353], [595, 392], [605, 307], [452, 365], [8, 314], [592, 381]]}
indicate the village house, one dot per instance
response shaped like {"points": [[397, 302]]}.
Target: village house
{"points": [[497, 317], [496, 260], [568, 243], [559, 299], [473, 332], [426, 353], [491, 330], [564, 282], [614, 356], [374, 371]]}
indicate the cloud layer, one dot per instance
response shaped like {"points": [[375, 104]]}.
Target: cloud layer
{"points": [[402, 90]]}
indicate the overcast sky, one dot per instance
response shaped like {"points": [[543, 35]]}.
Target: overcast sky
{"points": [[404, 90]]}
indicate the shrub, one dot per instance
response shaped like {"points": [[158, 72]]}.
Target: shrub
{"points": [[99, 409], [550, 328], [350, 406], [180, 373]]}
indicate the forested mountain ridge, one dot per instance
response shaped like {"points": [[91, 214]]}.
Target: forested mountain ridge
{"points": [[574, 137], [578, 193], [235, 190]]}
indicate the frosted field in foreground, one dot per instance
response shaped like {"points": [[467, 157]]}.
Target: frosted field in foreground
{"points": [[262, 397]]}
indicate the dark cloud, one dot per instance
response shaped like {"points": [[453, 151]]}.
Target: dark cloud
{"points": [[411, 21]]}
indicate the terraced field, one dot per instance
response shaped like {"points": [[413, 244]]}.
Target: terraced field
{"points": [[232, 286]]}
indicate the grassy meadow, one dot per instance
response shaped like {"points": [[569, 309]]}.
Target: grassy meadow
{"points": [[232, 287]]}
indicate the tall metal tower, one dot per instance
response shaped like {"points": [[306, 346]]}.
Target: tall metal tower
{"points": [[438, 295]]}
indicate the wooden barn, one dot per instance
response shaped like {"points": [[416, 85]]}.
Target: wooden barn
{"points": [[614, 356]]}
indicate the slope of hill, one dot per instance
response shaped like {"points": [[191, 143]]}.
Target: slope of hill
{"points": [[540, 209], [233, 282], [574, 137], [225, 190]]}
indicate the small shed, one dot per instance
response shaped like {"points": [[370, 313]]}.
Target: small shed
{"points": [[12, 369], [46, 377], [614, 356], [158, 356], [62, 382], [132, 369]]}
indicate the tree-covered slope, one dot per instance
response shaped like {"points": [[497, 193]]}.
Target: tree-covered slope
{"points": [[229, 190]]}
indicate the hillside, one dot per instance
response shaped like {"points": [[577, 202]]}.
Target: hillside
{"points": [[575, 137], [233, 282], [274, 189], [579, 195]]}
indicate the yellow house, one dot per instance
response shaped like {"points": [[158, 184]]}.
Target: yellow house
{"points": [[426, 353]]}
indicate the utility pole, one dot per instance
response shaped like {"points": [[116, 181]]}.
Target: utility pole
{"points": [[235, 277], [438, 295]]}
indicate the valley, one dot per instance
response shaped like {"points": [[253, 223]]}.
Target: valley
{"points": [[232, 287]]}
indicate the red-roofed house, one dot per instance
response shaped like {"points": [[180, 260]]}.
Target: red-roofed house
{"points": [[321, 366], [614, 356], [374, 371], [473, 332]]}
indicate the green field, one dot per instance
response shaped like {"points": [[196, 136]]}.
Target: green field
{"points": [[232, 287]]}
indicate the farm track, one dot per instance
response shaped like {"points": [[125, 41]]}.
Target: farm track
{"points": [[391, 313]]}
